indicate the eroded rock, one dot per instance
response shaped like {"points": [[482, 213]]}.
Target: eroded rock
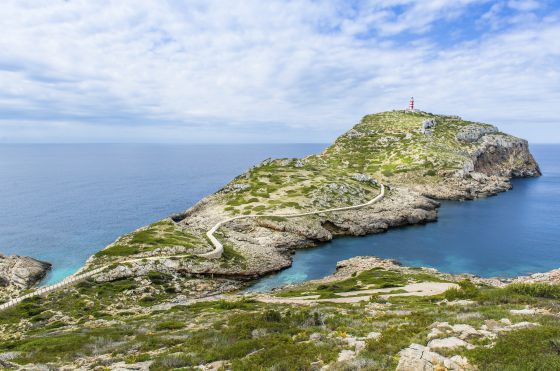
{"points": [[22, 271]]}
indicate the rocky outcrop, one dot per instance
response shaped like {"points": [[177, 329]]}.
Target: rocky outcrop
{"points": [[486, 171], [419, 357], [472, 133], [267, 244], [427, 125], [458, 160], [504, 156], [21, 271], [551, 277]]}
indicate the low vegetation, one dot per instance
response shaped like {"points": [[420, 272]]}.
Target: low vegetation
{"points": [[156, 238], [96, 319], [387, 146]]}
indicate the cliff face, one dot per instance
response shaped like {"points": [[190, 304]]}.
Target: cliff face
{"points": [[418, 156], [505, 156], [21, 271]]}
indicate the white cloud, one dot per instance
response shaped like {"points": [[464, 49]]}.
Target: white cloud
{"points": [[524, 5], [264, 71]]}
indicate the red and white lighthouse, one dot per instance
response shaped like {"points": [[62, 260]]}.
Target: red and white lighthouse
{"points": [[411, 104]]}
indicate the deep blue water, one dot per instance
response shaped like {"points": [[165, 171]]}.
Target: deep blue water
{"points": [[513, 233], [62, 203]]}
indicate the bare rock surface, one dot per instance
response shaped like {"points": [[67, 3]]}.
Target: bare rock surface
{"points": [[21, 272], [419, 357], [472, 133]]}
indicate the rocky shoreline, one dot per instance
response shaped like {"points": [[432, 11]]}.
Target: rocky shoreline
{"points": [[18, 273], [350, 267]]}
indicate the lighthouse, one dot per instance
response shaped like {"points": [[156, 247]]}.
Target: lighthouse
{"points": [[411, 104]]}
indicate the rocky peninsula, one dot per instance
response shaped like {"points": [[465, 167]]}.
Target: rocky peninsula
{"points": [[155, 299], [420, 157]]}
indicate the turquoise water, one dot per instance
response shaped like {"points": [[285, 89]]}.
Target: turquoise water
{"points": [[62, 203], [516, 232]]}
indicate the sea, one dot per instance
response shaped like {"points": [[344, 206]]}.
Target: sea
{"points": [[63, 202]]}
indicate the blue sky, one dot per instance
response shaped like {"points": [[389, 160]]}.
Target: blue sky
{"points": [[271, 71]]}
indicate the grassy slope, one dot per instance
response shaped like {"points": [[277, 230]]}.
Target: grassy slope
{"points": [[254, 335], [387, 146]]}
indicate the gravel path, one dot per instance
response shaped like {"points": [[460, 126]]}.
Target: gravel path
{"points": [[413, 289]]}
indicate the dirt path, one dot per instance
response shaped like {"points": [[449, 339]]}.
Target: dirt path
{"points": [[413, 289]]}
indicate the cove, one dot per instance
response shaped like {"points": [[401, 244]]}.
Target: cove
{"points": [[514, 233]]}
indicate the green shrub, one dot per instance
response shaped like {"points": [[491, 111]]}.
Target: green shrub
{"points": [[158, 277], [171, 362], [170, 325], [239, 304], [272, 315], [466, 290], [118, 250], [528, 349], [535, 290], [28, 308]]}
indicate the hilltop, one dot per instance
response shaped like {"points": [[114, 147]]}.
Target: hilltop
{"points": [[163, 299]]}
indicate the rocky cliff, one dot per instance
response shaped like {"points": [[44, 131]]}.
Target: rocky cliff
{"points": [[21, 271]]}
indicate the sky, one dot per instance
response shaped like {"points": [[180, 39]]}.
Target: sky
{"points": [[271, 71]]}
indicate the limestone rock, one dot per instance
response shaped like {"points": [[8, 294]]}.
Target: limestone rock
{"points": [[21, 271], [418, 357], [427, 125], [353, 133], [364, 178], [472, 133], [123, 366], [448, 343], [373, 335], [524, 312], [346, 355], [551, 277]]}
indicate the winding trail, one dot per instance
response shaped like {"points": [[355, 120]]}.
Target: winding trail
{"points": [[219, 248], [214, 254]]}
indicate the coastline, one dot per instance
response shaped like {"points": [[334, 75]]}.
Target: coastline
{"points": [[265, 244]]}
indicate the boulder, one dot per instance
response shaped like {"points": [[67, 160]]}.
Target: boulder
{"points": [[427, 125], [346, 355], [448, 343], [419, 357], [21, 271], [472, 133]]}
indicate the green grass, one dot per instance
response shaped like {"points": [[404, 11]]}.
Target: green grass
{"points": [[170, 325], [511, 294], [158, 235], [376, 278], [254, 335], [528, 349], [118, 250]]}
